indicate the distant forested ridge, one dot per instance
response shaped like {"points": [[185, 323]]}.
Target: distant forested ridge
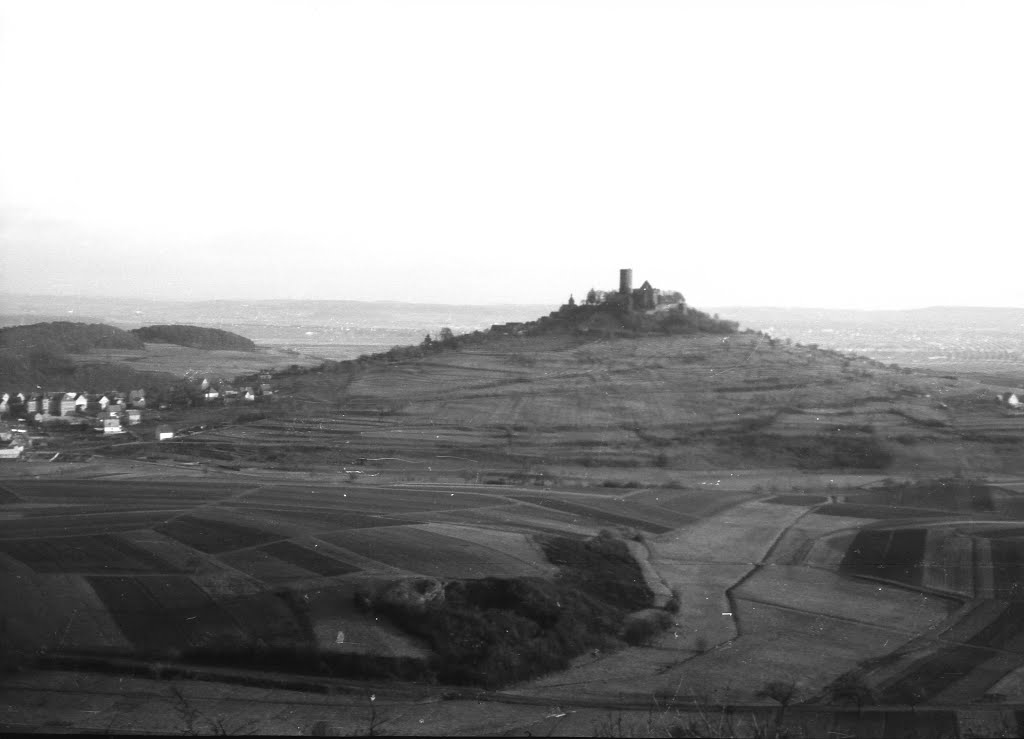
{"points": [[39, 353], [65, 336], [194, 336]]}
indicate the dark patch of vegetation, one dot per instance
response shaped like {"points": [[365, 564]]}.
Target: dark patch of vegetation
{"points": [[494, 631], [196, 337], [602, 567], [832, 450]]}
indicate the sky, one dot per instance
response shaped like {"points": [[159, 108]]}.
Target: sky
{"points": [[783, 153]]}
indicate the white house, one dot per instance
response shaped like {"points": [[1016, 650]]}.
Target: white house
{"points": [[164, 432], [134, 416], [1009, 399]]}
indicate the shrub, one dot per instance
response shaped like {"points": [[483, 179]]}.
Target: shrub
{"points": [[641, 628]]}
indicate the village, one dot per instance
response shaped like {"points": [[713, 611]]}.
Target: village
{"points": [[106, 413]]}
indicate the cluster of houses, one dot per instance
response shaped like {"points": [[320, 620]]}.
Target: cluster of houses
{"points": [[106, 412], [110, 413], [228, 393]]}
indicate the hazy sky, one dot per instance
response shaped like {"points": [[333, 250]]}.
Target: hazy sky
{"points": [[864, 154]]}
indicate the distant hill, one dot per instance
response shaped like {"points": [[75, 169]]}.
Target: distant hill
{"points": [[65, 336], [38, 354], [193, 336]]}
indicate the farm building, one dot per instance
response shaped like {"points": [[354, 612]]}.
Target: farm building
{"points": [[1009, 399], [134, 416], [164, 432], [110, 423], [13, 452], [68, 404]]}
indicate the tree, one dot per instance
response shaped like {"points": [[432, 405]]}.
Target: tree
{"points": [[591, 296], [446, 337], [781, 691]]}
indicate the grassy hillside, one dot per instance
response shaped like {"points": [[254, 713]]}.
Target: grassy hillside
{"points": [[625, 409], [193, 336]]}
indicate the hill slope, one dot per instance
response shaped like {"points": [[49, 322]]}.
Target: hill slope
{"points": [[630, 409]]}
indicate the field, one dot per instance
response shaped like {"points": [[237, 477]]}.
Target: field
{"points": [[182, 360]]}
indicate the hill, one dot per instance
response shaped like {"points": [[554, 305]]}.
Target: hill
{"points": [[67, 337], [38, 354], [562, 400], [196, 337]]}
